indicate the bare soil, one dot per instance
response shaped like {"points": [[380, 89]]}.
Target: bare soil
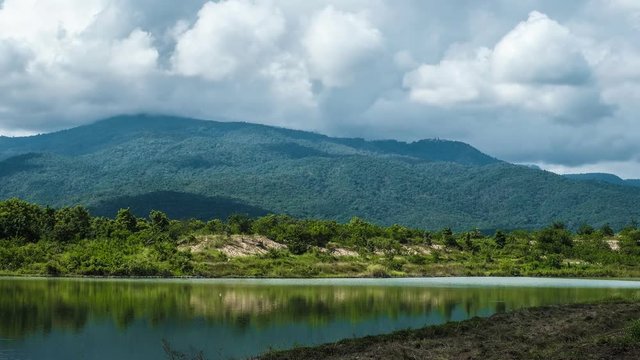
{"points": [[235, 245], [580, 331]]}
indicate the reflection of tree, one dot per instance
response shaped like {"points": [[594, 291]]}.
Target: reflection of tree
{"points": [[31, 306]]}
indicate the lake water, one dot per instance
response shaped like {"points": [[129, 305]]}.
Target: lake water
{"points": [[128, 319]]}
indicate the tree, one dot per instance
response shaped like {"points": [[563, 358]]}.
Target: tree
{"points": [[72, 224], [630, 242], [159, 220], [271, 226], [500, 238], [216, 226], [359, 231], [19, 219], [554, 239], [585, 229], [297, 239], [239, 224], [468, 242], [606, 230], [320, 232], [399, 233], [125, 220], [448, 239]]}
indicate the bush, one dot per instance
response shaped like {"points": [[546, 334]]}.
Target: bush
{"points": [[53, 268], [377, 271]]}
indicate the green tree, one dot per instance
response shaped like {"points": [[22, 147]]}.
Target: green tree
{"points": [[239, 224], [297, 239], [448, 239], [72, 224], [19, 219], [500, 239], [217, 226], [585, 229], [360, 231], [271, 226], [320, 232], [399, 233], [159, 220], [554, 239], [469, 245], [125, 220], [606, 230]]}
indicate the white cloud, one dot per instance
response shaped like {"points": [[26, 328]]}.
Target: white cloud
{"points": [[540, 51], [134, 55], [454, 80], [337, 42], [537, 66], [47, 27], [290, 80], [227, 36]]}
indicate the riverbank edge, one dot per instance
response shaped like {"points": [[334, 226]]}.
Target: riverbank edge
{"points": [[608, 329], [7, 275]]}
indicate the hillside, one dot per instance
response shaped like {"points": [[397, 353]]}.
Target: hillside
{"points": [[193, 168], [604, 178]]}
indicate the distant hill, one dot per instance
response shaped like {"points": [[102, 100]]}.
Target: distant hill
{"points": [[195, 168], [604, 178]]}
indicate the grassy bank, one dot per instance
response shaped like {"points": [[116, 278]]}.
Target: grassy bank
{"points": [[607, 330]]}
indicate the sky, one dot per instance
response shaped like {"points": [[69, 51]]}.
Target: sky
{"points": [[552, 83]]}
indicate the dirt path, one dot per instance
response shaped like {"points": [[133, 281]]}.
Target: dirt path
{"points": [[584, 331]]}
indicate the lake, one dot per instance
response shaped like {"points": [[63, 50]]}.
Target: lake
{"points": [[128, 319]]}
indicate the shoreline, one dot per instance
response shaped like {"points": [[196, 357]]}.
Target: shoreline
{"points": [[603, 330], [417, 281]]}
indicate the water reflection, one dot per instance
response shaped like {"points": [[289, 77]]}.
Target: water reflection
{"points": [[66, 318]]}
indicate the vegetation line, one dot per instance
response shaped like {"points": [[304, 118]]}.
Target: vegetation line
{"points": [[70, 242]]}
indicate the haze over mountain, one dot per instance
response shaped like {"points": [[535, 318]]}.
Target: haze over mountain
{"points": [[194, 168]]}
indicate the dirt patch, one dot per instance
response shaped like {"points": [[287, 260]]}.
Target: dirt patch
{"points": [[613, 244], [234, 245], [416, 250], [338, 251], [582, 331]]}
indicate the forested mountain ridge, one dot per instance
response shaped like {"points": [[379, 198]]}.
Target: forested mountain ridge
{"points": [[118, 130], [604, 178], [194, 168]]}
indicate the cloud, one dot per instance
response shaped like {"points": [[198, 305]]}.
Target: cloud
{"points": [[540, 51], [336, 42], [15, 57], [537, 66], [226, 37], [453, 81], [134, 55]]}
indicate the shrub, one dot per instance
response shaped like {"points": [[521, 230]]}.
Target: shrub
{"points": [[377, 271]]}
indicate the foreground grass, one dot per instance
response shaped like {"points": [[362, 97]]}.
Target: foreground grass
{"points": [[607, 330]]}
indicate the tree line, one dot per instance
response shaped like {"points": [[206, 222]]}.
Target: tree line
{"points": [[70, 240]]}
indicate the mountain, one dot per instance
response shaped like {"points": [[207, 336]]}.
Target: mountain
{"points": [[604, 178], [195, 168]]}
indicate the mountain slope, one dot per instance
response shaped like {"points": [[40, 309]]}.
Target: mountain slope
{"points": [[193, 168], [604, 178]]}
